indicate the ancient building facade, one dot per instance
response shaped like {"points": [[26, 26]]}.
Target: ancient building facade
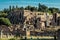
{"points": [[56, 19], [35, 18]]}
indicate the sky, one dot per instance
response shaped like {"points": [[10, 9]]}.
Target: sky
{"points": [[24, 3]]}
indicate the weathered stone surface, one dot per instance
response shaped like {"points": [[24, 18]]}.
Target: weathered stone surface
{"points": [[58, 34]]}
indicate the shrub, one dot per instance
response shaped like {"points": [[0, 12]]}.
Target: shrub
{"points": [[3, 14], [12, 39], [5, 21]]}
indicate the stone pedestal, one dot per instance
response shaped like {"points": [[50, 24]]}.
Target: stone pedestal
{"points": [[27, 33]]}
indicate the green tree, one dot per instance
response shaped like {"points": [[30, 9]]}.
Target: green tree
{"points": [[53, 10], [31, 8], [42, 8], [49, 12], [21, 8], [3, 14], [27, 7], [4, 21], [5, 10], [16, 6], [10, 8], [13, 8]]}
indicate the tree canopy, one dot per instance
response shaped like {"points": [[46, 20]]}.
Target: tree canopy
{"points": [[54, 10], [5, 21], [3, 14], [42, 8], [31, 8]]}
